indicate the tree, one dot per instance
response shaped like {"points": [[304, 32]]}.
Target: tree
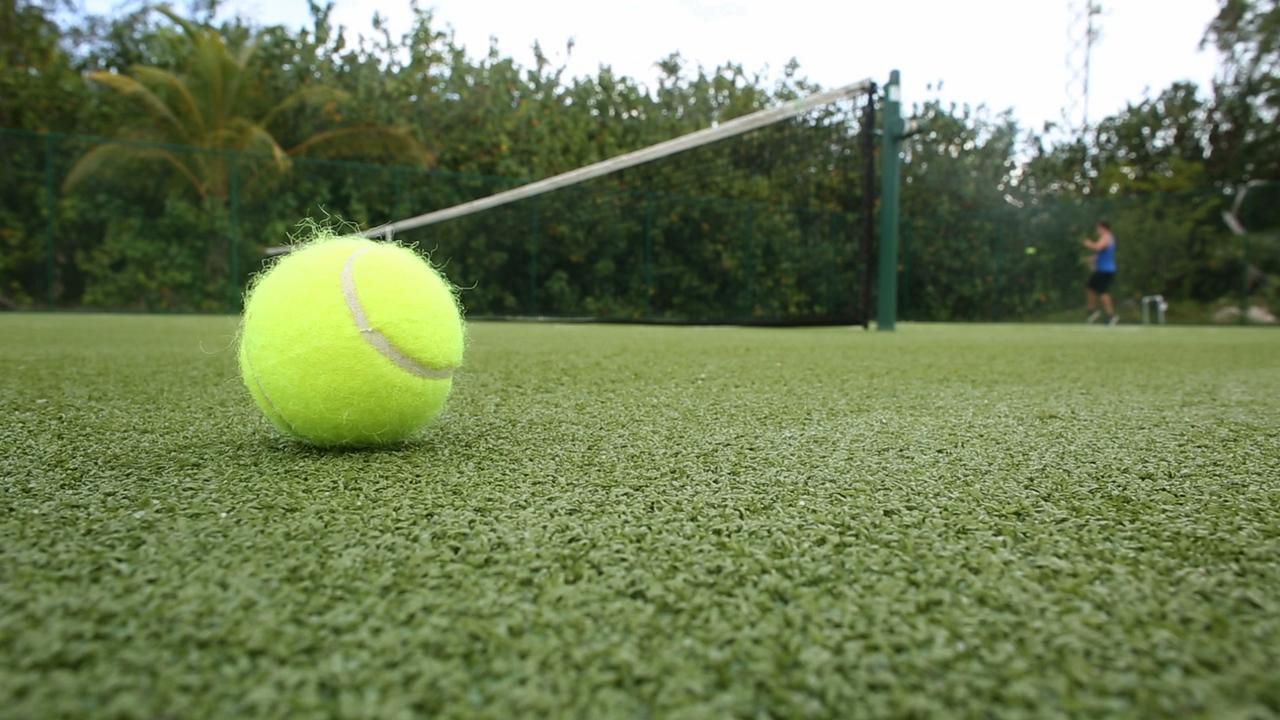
{"points": [[213, 105], [1245, 121], [36, 76]]}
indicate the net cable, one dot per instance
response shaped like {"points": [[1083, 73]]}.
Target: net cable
{"points": [[698, 138]]}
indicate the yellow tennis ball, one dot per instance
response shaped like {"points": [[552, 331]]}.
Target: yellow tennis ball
{"points": [[347, 341]]}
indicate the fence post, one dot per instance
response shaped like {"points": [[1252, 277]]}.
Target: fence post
{"points": [[753, 270], [233, 239], [648, 255], [890, 171], [868, 206], [533, 257], [904, 289], [834, 296], [51, 211]]}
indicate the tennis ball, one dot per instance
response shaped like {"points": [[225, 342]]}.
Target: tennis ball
{"points": [[346, 341]]}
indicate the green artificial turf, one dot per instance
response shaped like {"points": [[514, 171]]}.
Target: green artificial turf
{"points": [[981, 521]]}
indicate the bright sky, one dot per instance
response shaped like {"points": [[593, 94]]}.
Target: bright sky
{"points": [[1001, 53]]}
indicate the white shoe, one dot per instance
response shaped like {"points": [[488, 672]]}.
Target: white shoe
{"points": [[1093, 317], [1114, 320]]}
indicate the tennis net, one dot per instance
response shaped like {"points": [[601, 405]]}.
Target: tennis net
{"points": [[764, 218]]}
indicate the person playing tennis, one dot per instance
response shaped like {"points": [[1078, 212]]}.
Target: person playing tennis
{"points": [[1103, 265]]}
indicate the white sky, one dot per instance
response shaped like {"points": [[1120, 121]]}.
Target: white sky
{"points": [[1001, 53]]}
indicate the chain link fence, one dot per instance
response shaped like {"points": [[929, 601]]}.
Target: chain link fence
{"points": [[744, 233], [136, 237]]}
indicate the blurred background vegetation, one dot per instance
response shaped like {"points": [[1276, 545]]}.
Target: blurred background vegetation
{"points": [[149, 158]]}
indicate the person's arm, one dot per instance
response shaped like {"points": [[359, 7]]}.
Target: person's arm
{"points": [[1102, 243]]}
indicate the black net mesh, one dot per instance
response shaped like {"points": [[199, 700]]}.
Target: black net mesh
{"points": [[761, 227]]}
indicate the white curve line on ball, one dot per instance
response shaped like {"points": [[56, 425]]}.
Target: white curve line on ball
{"points": [[374, 337]]}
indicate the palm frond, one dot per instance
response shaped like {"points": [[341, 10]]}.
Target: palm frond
{"points": [[366, 140], [214, 51], [226, 137], [186, 101], [107, 155], [190, 29], [131, 88], [254, 137], [206, 73], [309, 95], [236, 72], [246, 53], [204, 104]]}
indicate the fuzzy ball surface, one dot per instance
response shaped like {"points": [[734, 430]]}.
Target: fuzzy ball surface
{"points": [[349, 342]]}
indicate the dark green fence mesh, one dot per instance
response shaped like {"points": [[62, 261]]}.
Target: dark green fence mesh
{"points": [[1015, 258], [761, 228]]}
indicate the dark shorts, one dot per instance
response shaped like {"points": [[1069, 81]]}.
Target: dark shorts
{"points": [[1100, 282]]}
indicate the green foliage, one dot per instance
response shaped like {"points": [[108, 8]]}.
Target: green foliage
{"points": [[211, 104], [964, 239], [1246, 107], [251, 129], [1150, 171], [752, 230], [155, 264], [39, 84], [24, 214]]}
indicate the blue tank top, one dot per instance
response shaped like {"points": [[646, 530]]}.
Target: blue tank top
{"points": [[1106, 261]]}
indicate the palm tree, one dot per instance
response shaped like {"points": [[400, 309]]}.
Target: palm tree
{"points": [[209, 105]]}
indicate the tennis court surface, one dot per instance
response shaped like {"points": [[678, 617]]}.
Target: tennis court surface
{"points": [[633, 521]]}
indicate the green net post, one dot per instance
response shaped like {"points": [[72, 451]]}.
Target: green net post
{"points": [[890, 175], [233, 235], [868, 207], [51, 213]]}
